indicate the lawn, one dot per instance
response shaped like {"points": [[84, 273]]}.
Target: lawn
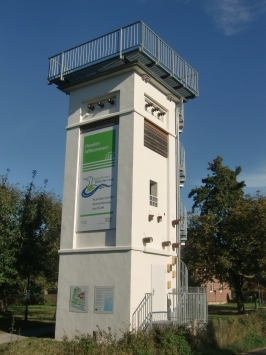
{"points": [[38, 316], [227, 333], [230, 309]]}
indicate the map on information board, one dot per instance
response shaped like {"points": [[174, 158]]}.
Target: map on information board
{"points": [[78, 299]]}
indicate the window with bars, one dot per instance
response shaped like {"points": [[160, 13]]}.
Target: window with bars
{"points": [[153, 194]]}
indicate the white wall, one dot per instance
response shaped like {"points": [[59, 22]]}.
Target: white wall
{"points": [[93, 269], [118, 257]]}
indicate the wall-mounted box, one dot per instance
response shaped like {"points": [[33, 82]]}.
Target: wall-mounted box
{"points": [[169, 267], [147, 240], [151, 216], [175, 222], [166, 243], [175, 245]]}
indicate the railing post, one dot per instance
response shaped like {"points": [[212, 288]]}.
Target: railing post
{"points": [[186, 74], [62, 66], [159, 50], [121, 43], [173, 58], [142, 35]]}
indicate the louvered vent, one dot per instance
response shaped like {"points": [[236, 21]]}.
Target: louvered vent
{"points": [[155, 139]]}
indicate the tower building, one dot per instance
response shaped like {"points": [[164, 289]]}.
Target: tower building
{"points": [[123, 220]]}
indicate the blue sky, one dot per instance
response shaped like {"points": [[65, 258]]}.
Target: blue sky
{"points": [[224, 40]]}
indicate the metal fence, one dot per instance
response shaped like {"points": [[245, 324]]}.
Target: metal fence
{"points": [[196, 289], [183, 308], [136, 36], [187, 307]]}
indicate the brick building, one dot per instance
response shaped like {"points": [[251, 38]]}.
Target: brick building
{"points": [[218, 293]]}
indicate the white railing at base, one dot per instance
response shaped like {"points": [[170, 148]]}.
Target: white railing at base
{"points": [[183, 309], [159, 317], [142, 316], [188, 306]]}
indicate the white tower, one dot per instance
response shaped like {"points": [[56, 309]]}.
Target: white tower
{"points": [[121, 222]]}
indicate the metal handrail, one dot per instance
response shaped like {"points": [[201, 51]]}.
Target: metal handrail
{"points": [[183, 222], [117, 43], [142, 316], [183, 277], [182, 164]]}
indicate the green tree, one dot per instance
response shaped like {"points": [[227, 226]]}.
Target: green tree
{"points": [[39, 223], [9, 229], [246, 225], [30, 223], [226, 233]]}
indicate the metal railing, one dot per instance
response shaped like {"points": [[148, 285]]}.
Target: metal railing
{"points": [[158, 317], [142, 316], [183, 308], [136, 36], [196, 289], [189, 306], [182, 164], [181, 117], [183, 222], [183, 277]]}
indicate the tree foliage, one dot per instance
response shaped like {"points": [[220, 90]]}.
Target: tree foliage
{"points": [[9, 204], [227, 231], [30, 221]]}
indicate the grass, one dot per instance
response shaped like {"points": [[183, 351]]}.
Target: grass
{"points": [[158, 341], [38, 316], [32, 346], [230, 309], [226, 334]]}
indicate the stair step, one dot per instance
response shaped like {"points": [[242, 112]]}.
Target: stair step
{"points": [[162, 322]]}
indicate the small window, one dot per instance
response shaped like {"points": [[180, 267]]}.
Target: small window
{"points": [[153, 194], [221, 287], [211, 287]]}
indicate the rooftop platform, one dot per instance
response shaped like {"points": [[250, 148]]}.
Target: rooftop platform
{"points": [[127, 46]]}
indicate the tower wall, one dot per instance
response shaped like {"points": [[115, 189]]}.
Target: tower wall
{"points": [[117, 258]]}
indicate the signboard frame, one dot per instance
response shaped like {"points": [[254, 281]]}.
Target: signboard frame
{"points": [[104, 299], [97, 187], [78, 300]]}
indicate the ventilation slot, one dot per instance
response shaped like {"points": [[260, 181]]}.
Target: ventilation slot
{"points": [[155, 139]]}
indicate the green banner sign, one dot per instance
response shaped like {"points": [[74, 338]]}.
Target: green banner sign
{"points": [[98, 180]]}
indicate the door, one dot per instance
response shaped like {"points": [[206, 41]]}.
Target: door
{"points": [[158, 288]]}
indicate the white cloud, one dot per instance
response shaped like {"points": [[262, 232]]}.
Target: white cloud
{"points": [[233, 16], [256, 179]]}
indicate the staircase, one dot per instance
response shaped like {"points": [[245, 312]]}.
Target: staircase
{"points": [[142, 317], [182, 308]]}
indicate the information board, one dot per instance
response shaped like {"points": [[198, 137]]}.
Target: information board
{"points": [[104, 299], [98, 180]]}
